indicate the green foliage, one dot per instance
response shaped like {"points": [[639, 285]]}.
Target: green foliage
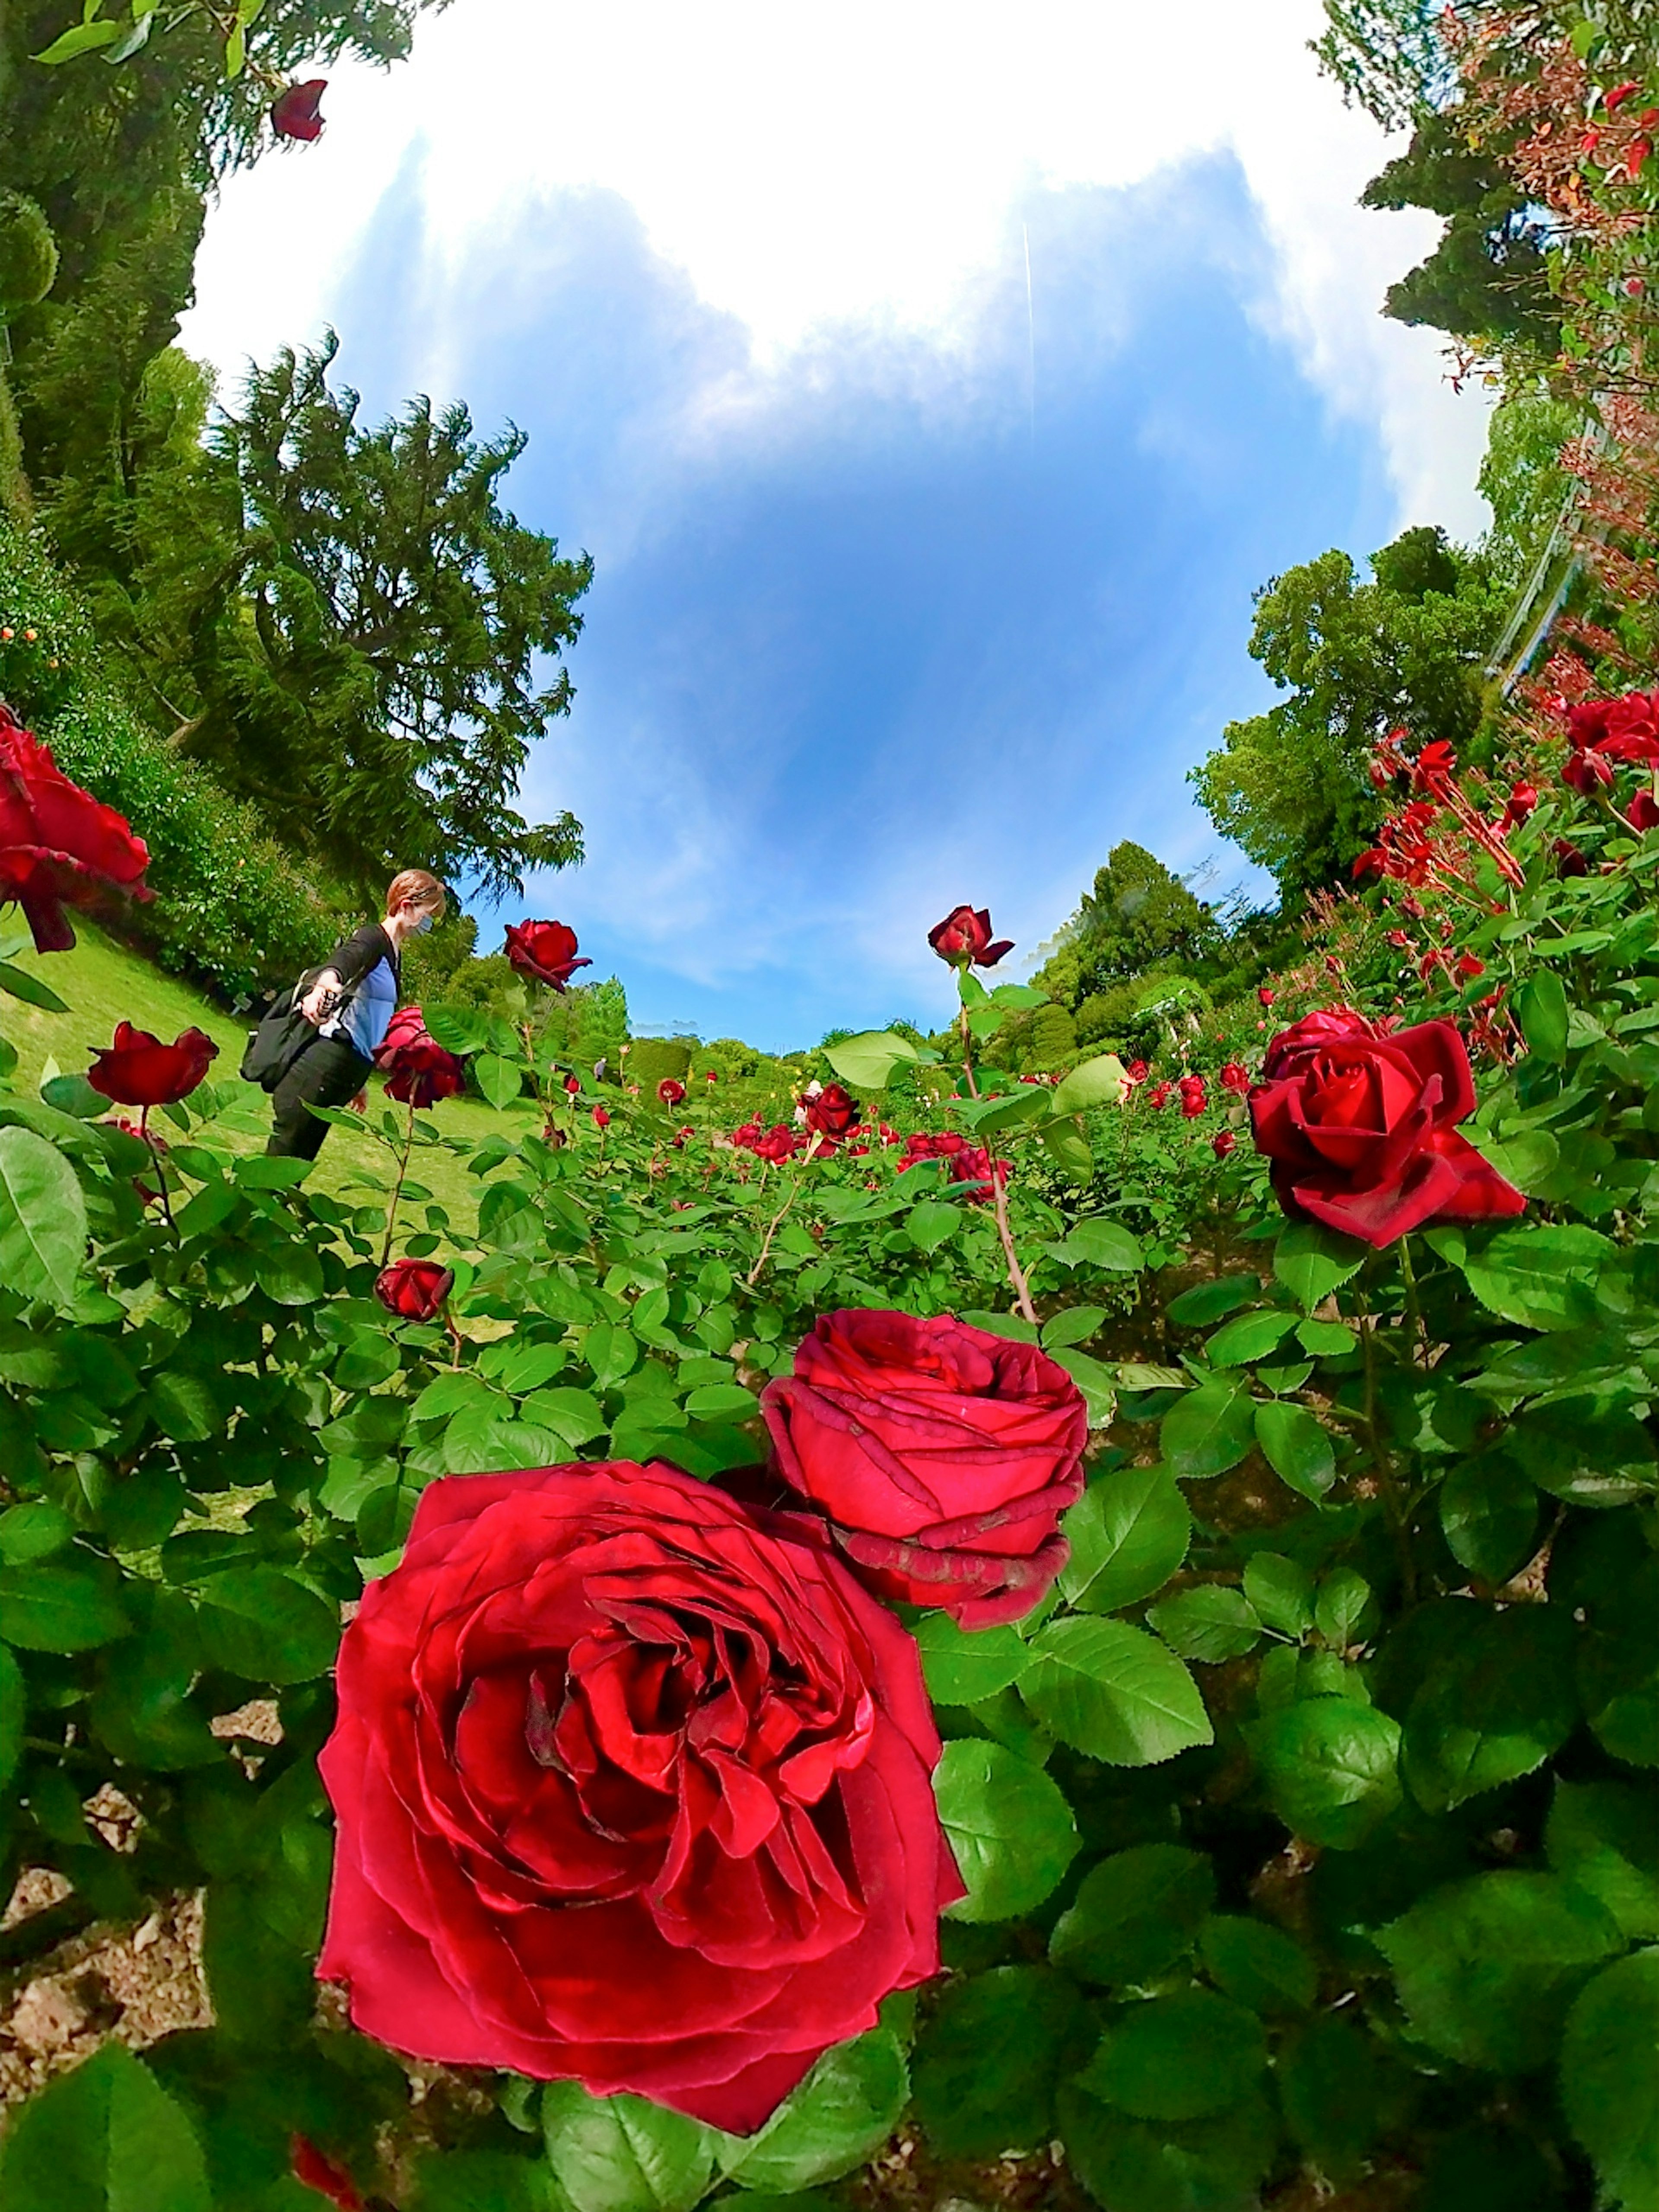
{"points": [[1488, 281], [230, 908], [1357, 659], [1386, 55], [1522, 479], [28, 252]]}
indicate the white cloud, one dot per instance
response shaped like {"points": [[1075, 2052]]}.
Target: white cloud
{"points": [[814, 167]]}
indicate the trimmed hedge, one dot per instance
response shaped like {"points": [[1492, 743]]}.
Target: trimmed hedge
{"points": [[231, 910]]}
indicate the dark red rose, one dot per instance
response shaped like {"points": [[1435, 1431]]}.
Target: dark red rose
{"points": [[601, 1119], [1235, 1078], [57, 843], [545, 951], [779, 1143], [1624, 729], [972, 1165], [139, 1070], [1193, 1099], [832, 1113], [297, 112], [1643, 812], [417, 1069], [314, 2170], [670, 1091], [965, 936], [1136, 1070], [1520, 805], [1222, 1143], [1360, 1127], [1588, 771], [1159, 1096], [573, 1085], [1266, 996], [942, 1455], [632, 1787], [746, 1137], [414, 1290], [1568, 860]]}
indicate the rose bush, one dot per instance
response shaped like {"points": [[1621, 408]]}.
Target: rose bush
{"points": [[944, 1457], [629, 1787]]}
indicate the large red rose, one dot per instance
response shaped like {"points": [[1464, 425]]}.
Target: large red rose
{"points": [[138, 1070], [632, 1786], [418, 1070], [831, 1114], [942, 1455], [1361, 1128], [543, 952], [57, 843]]}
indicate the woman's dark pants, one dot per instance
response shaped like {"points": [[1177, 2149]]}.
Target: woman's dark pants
{"points": [[329, 1073]]}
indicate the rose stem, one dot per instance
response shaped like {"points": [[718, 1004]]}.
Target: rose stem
{"points": [[161, 1177], [397, 1188]]}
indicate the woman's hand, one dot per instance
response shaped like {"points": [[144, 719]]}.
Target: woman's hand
{"points": [[316, 1004]]}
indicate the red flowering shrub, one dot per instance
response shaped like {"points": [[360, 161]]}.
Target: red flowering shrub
{"points": [[942, 1455], [630, 1787]]}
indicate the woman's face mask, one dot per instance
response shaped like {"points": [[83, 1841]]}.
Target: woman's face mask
{"points": [[420, 926]]}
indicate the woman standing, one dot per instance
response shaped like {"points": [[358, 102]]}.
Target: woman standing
{"points": [[350, 1007]]}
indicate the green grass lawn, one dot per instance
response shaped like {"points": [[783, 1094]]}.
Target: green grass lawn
{"points": [[103, 983]]}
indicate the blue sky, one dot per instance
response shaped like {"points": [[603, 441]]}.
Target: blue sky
{"points": [[894, 605]]}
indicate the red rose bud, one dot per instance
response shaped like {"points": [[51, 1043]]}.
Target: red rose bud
{"points": [[1633, 288], [312, 2170], [1159, 1096], [943, 1456], [711, 1075], [419, 1071], [631, 1786], [1568, 860], [681, 1136], [1467, 966], [670, 1091], [1519, 806], [59, 845], [1587, 771], [964, 937], [832, 1113], [1235, 1078], [1222, 1143], [573, 1085], [1621, 93], [601, 1119], [1266, 996], [1136, 1070], [543, 952], [1360, 1127], [1642, 811], [414, 1290], [296, 111], [139, 1070], [779, 1143], [1399, 939], [1192, 1098]]}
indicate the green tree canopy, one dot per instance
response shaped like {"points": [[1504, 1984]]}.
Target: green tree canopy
{"points": [[1357, 659], [1388, 56], [1488, 281], [361, 640]]}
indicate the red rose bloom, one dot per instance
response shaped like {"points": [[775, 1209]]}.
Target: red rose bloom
{"points": [[1643, 812], [414, 1290], [543, 952], [601, 1119], [139, 1070], [57, 843], [671, 1091], [779, 1143], [1193, 1099], [832, 1113], [1235, 1078], [297, 112], [1222, 1143], [632, 1787], [418, 1070], [1360, 1127], [315, 2170], [1159, 1096], [942, 1455], [964, 937]]}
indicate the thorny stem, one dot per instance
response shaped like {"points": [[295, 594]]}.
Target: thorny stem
{"points": [[1398, 1517], [397, 1188], [772, 1228], [998, 1188], [1414, 1309], [161, 1176]]}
